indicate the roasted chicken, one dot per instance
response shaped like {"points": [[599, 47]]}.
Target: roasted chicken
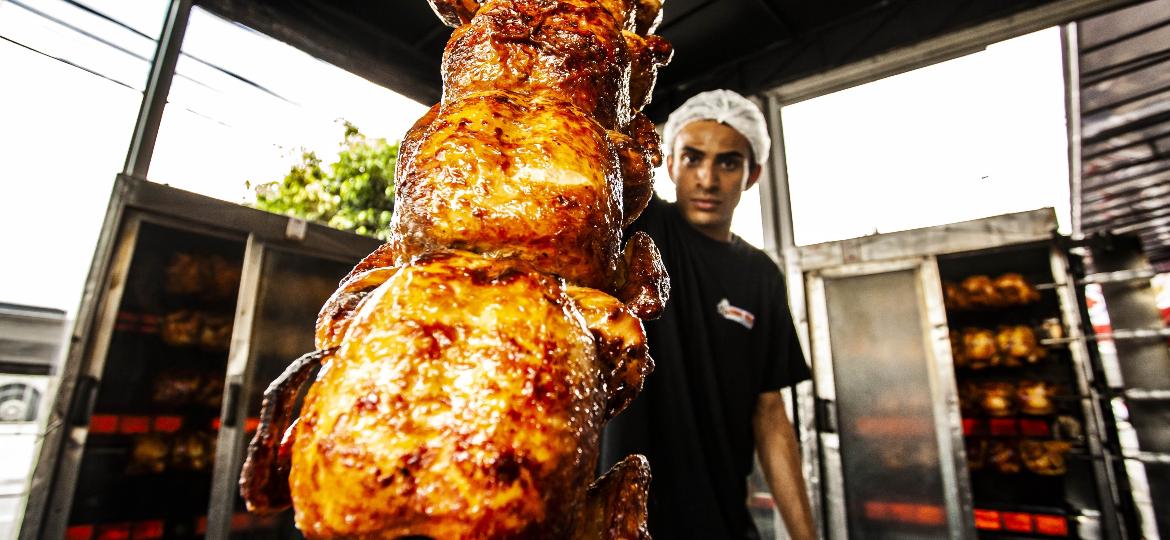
{"points": [[1004, 456], [979, 348], [466, 367], [1035, 397], [1045, 458], [981, 292], [1018, 345], [1014, 290], [998, 398]]}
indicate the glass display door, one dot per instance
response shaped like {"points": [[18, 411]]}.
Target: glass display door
{"points": [[143, 431], [891, 453], [282, 294]]}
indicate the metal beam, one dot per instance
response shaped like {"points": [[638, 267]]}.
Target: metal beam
{"points": [[158, 87], [1072, 109]]}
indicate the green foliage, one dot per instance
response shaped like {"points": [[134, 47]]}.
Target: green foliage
{"points": [[355, 194]]}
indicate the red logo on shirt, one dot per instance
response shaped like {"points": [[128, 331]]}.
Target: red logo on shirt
{"points": [[736, 314]]}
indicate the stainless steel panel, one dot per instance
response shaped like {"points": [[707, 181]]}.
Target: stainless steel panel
{"points": [[1032, 226], [890, 453], [822, 352], [837, 525], [809, 455], [949, 428]]}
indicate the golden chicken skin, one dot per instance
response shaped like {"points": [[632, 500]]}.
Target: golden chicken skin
{"points": [[1014, 289], [573, 50], [466, 367], [1017, 344], [463, 397], [569, 49], [642, 16], [504, 176], [535, 180]]}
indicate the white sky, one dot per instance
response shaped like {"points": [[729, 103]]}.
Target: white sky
{"points": [[907, 151], [977, 136]]}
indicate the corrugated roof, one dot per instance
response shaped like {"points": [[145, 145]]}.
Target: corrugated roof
{"points": [[1124, 67]]}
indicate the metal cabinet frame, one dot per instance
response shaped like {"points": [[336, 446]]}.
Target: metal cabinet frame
{"points": [[136, 201], [919, 250]]}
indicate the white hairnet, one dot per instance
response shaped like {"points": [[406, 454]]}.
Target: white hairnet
{"points": [[728, 108]]}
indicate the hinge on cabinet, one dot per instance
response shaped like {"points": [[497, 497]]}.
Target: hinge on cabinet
{"points": [[83, 398], [826, 416]]}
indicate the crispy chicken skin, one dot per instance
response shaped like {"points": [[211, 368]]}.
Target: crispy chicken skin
{"points": [[464, 369], [571, 50], [465, 400], [647, 54], [640, 15], [501, 175]]}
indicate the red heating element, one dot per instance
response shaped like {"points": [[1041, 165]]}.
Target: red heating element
{"points": [[901, 512], [1021, 522]]}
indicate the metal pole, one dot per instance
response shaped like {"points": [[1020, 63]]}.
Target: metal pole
{"points": [[779, 237], [1072, 105], [158, 87]]}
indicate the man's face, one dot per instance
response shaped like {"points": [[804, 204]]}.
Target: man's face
{"points": [[711, 166]]}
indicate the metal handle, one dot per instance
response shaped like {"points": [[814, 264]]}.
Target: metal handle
{"points": [[826, 415], [231, 400], [84, 395]]}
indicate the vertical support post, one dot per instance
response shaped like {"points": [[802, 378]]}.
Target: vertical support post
{"points": [[779, 239], [775, 195], [158, 87], [233, 439], [1070, 51]]}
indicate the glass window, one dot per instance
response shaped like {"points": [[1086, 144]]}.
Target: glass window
{"points": [[977, 136], [243, 106], [73, 85]]}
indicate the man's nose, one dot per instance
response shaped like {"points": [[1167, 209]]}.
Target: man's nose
{"points": [[706, 176]]}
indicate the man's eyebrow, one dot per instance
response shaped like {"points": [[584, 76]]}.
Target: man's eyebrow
{"points": [[731, 154], [692, 150]]}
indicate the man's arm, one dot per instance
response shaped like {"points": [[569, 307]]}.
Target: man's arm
{"points": [[780, 460]]}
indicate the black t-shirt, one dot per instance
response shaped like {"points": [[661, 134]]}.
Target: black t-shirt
{"points": [[725, 337]]}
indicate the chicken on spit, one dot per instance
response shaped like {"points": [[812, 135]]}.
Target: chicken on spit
{"points": [[468, 365]]}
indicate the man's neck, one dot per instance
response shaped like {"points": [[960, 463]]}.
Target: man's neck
{"points": [[714, 232]]}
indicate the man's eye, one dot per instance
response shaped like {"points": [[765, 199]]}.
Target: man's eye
{"points": [[730, 165], [689, 159]]}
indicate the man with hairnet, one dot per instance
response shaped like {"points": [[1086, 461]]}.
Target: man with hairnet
{"points": [[724, 346]]}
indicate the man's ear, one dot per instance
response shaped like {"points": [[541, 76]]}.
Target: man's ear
{"points": [[670, 168], [753, 176]]}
